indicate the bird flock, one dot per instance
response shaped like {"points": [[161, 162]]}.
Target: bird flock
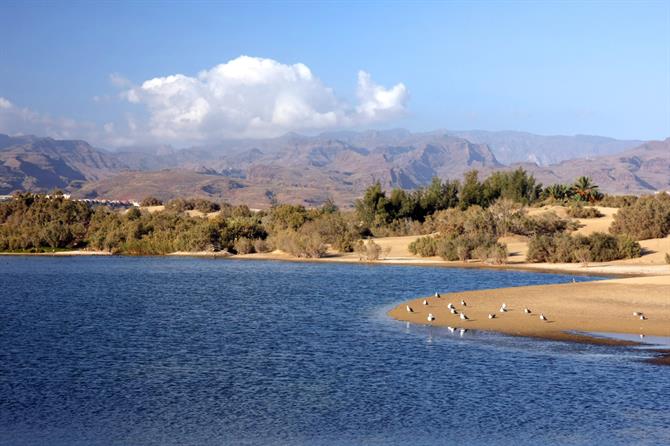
{"points": [[503, 309]]}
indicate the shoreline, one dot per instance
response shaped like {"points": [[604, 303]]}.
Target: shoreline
{"points": [[607, 269], [575, 312]]}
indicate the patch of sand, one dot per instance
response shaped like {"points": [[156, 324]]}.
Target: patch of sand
{"points": [[603, 306]]}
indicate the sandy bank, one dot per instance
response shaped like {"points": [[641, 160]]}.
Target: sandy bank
{"points": [[603, 306]]}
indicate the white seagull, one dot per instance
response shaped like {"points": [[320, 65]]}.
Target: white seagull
{"points": [[451, 306], [453, 311], [425, 302], [437, 294], [526, 310], [503, 309], [543, 317], [451, 329], [409, 309], [463, 303], [492, 315], [504, 305], [637, 313], [464, 317], [643, 317], [430, 317]]}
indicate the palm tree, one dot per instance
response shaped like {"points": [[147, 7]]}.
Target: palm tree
{"points": [[585, 190], [557, 191]]}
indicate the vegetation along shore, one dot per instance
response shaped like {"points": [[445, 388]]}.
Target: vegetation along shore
{"points": [[504, 221]]}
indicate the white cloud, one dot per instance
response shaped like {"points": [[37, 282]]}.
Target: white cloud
{"points": [[16, 120], [244, 97], [256, 97]]}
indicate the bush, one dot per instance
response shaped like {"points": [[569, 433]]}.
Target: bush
{"points": [[300, 243], [598, 247], [618, 201], [261, 245], [244, 245], [424, 246], [580, 211], [368, 251], [648, 217], [667, 258], [151, 201]]}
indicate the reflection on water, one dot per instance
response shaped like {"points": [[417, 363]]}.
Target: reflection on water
{"points": [[188, 351]]}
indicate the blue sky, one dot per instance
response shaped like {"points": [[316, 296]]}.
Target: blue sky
{"points": [[79, 69]]}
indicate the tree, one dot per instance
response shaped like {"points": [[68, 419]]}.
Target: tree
{"points": [[585, 190]]}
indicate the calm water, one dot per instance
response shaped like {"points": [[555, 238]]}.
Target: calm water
{"points": [[193, 351]]}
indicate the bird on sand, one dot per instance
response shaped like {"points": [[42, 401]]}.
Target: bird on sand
{"points": [[425, 302], [463, 303], [430, 317], [451, 306], [453, 311], [409, 309], [543, 317], [464, 317], [526, 310], [492, 316]]}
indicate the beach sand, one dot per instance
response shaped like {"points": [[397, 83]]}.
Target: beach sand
{"points": [[604, 306]]}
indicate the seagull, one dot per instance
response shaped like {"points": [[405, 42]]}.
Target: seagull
{"points": [[503, 309], [526, 310], [453, 311], [637, 313], [437, 294], [504, 305], [425, 302], [543, 317], [641, 336], [409, 309], [463, 303], [492, 315], [464, 317], [430, 317], [463, 330], [451, 306], [643, 317], [451, 329]]}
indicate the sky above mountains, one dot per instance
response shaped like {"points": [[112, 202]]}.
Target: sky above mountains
{"points": [[135, 73]]}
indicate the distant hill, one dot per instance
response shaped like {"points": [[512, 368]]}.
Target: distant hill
{"points": [[310, 169], [306, 170], [41, 164], [520, 147], [644, 169]]}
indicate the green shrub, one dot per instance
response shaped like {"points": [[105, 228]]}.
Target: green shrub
{"points": [[598, 247], [369, 251], [424, 246], [648, 217]]}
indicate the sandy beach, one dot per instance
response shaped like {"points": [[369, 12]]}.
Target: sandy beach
{"points": [[605, 306]]}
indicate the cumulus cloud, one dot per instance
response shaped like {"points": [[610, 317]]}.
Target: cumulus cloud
{"points": [[256, 97]]}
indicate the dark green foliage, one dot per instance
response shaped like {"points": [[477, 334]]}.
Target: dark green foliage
{"points": [[35, 222], [585, 190], [648, 217], [597, 247], [197, 204]]}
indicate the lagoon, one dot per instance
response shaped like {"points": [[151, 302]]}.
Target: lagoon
{"points": [[156, 350]]}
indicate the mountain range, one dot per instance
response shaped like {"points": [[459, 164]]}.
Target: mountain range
{"points": [[337, 165]]}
